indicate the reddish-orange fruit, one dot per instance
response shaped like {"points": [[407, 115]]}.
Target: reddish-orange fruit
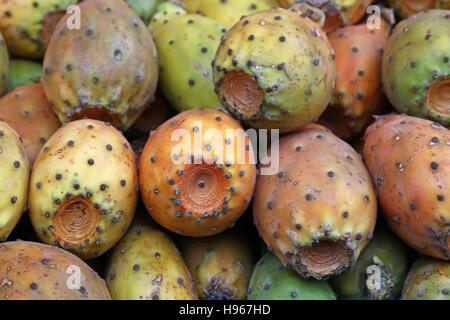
{"points": [[26, 109], [319, 211], [197, 190], [358, 92], [409, 161]]}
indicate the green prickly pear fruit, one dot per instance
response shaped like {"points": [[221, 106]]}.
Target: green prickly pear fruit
{"points": [[14, 176], [35, 271], [98, 72], [145, 9], [75, 200], [197, 173], [228, 12], [416, 66], [27, 110], [428, 279], [221, 265], [408, 159], [405, 8], [319, 211], [22, 72], [186, 46], [28, 25], [379, 272], [274, 69], [272, 281], [146, 265], [4, 65]]}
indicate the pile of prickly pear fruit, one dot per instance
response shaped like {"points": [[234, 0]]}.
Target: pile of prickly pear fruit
{"points": [[225, 150]]}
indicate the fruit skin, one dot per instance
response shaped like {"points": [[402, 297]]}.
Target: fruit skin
{"points": [[385, 253], [228, 12], [271, 281], [197, 198], [22, 72], [147, 265], [273, 76], [75, 200], [406, 8], [428, 279], [407, 158], [4, 62], [14, 176], [145, 9], [320, 203], [416, 66], [358, 91], [103, 74], [186, 46], [26, 109], [27, 25], [221, 265], [35, 271]]}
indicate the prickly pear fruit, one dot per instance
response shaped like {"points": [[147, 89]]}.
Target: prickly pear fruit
{"points": [[319, 211], [408, 159], [35, 271], [26, 109], [383, 260], [28, 25], [145, 9], [271, 281], [405, 8], [416, 66], [4, 65], [202, 185], [186, 46], [147, 265], [358, 92], [221, 265], [230, 11], [14, 176], [338, 12], [275, 69], [104, 74], [428, 279], [23, 72], [75, 200]]}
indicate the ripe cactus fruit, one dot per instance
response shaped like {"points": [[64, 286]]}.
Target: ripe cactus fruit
{"points": [[35, 271], [28, 25], [383, 260], [14, 176], [147, 265], [186, 46], [75, 200], [428, 279], [104, 74], [407, 158], [4, 65], [358, 92], [405, 8], [228, 12], [201, 185], [221, 265], [27, 110], [271, 281], [319, 211], [416, 66], [145, 9], [275, 69], [23, 72]]}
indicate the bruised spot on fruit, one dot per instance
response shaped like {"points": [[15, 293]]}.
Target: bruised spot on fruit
{"points": [[203, 188], [99, 113], [49, 23], [76, 220], [242, 92], [325, 257], [438, 99], [414, 6]]}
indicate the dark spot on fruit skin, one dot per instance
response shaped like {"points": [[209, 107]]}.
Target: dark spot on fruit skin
{"points": [[33, 286], [434, 165], [413, 206], [345, 214], [440, 197]]}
